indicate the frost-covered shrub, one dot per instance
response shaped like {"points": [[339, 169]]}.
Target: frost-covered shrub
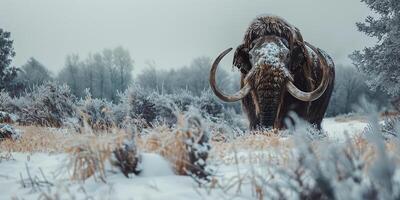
{"points": [[7, 103], [6, 117], [97, 113], [197, 145], [9, 132], [152, 107], [126, 158], [388, 129], [139, 105], [53, 105], [209, 105], [47, 105], [364, 167], [391, 126], [165, 108]]}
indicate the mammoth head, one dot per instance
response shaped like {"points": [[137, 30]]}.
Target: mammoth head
{"points": [[272, 50], [271, 26]]}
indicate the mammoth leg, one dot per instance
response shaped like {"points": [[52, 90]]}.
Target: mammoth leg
{"points": [[249, 107], [319, 107]]}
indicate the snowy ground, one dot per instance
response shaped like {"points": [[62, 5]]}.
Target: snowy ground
{"points": [[45, 176], [338, 128]]}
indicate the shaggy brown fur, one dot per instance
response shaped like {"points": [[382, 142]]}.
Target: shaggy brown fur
{"points": [[305, 69], [273, 25]]}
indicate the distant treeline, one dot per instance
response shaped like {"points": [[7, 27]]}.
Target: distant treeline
{"points": [[104, 73], [110, 72]]}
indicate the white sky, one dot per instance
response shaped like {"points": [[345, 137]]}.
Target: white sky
{"points": [[169, 32]]}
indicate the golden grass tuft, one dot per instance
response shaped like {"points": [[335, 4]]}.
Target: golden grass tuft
{"points": [[89, 155], [89, 160], [257, 142], [37, 139], [170, 143]]}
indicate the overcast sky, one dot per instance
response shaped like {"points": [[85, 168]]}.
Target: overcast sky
{"points": [[169, 32]]}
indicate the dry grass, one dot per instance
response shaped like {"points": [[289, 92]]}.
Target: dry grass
{"points": [[89, 154], [89, 151], [165, 141], [88, 159], [37, 139], [168, 144], [258, 143], [171, 144], [51, 140]]}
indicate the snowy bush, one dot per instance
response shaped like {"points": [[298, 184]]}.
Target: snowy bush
{"points": [[391, 127], [97, 113], [197, 145], [7, 103], [47, 105], [326, 170], [360, 167], [126, 158], [153, 107], [9, 132], [208, 104], [54, 105], [6, 117], [137, 107]]}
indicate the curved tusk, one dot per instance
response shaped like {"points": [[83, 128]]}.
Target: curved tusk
{"points": [[317, 93], [227, 98]]}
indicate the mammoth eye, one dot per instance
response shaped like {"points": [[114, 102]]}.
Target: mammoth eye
{"points": [[286, 43]]}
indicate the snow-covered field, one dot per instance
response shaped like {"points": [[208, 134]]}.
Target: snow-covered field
{"points": [[46, 176]]}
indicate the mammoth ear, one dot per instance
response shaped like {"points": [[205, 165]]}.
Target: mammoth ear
{"points": [[301, 58], [241, 59], [299, 53]]}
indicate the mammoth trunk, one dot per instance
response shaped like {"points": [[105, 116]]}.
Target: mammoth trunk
{"points": [[268, 91], [269, 103]]}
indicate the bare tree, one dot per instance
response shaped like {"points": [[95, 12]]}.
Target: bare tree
{"points": [[104, 74], [70, 74]]}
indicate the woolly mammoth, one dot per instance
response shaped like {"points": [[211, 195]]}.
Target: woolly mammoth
{"points": [[280, 73]]}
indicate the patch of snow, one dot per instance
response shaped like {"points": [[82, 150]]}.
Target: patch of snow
{"points": [[269, 54], [153, 165], [342, 130], [156, 181]]}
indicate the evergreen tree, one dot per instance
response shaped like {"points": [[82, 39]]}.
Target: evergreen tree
{"points": [[381, 63], [7, 72]]}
